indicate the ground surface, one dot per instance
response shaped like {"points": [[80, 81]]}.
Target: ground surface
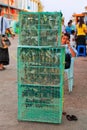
{"points": [[74, 103]]}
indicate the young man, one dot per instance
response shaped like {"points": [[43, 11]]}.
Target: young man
{"points": [[70, 71], [4, 54]]}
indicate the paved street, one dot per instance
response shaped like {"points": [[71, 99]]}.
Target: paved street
{"points": [[74, 103]]}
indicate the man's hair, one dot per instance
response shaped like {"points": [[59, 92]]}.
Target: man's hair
{"points": [[67, 35], [72, 31], [70, 21]]}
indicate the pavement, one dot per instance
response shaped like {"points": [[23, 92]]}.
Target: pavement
{"points": [[74, 103]]}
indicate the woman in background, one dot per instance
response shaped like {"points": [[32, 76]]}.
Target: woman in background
{"points": [[81, 31]]}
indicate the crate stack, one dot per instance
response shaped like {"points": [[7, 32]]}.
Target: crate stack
{"points": [[40, 67]]}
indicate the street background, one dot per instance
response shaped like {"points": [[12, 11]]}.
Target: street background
{"points": [[74, 103]]}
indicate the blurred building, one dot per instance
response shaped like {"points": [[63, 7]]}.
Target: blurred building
{"points": [[11, 9], [77, 16]]}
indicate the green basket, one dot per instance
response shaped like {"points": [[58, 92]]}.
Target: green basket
{"points": [[40, 103], [40, 65], [40, 83], [40, 28]]}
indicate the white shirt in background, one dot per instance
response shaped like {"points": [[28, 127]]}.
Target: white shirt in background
{"points": [[72, 40]]}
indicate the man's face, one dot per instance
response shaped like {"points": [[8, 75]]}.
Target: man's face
{"points": [[64, 40]]}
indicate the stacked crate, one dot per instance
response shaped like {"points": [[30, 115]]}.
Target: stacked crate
{"points": [[40, 29], [40, 67]]}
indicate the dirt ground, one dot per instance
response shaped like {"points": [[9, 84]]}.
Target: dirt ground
{"points": [[74, 103]]}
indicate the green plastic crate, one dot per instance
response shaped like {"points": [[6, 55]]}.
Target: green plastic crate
{"points": [[40, 103], [40, 83], [40, 65], [40, 28]]}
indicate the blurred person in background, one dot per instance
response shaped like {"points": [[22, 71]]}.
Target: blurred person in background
{"points": [[73, 38], [63, 26], [73, 25], [68, 28], [4, 53]]}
